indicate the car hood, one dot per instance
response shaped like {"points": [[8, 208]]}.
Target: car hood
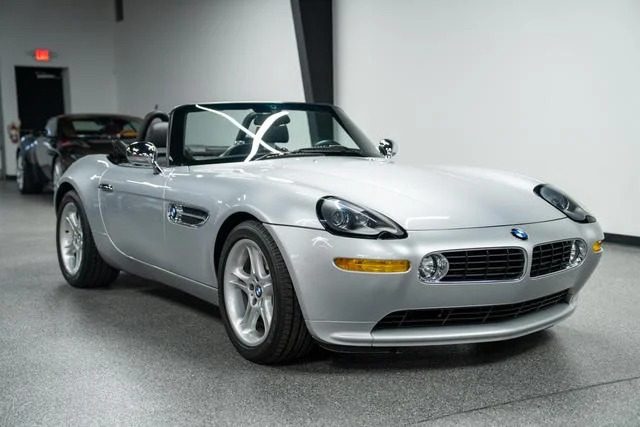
{"points": [[425, 198]]}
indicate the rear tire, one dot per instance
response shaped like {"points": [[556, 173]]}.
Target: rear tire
{"points": [[26, 176], [79, 260], [285, 338]]}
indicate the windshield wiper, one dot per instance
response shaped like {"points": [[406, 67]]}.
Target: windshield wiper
{"points": [[311, 151]]}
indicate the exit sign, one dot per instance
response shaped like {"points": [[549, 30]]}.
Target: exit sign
{"points": [[42, 55]]}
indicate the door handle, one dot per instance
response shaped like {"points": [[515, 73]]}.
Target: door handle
{"points": [[106, 187]]}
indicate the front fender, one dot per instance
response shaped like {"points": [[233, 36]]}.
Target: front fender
{"points": [[83, 176]]}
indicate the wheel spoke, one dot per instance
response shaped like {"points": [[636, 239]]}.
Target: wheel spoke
{"points": [[240, 285], [250, 318], [70, 222], [254, 260], [253, 317], [257, 263], [76, 222], [241, 275], [267, 287], [241, 280], [265, 314], [245, 317]]}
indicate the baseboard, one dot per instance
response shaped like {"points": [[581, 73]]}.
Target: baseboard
{"points": [[623, 239]]}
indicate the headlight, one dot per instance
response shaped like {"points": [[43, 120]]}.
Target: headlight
{"points": [[563, 203], [433, 268], [346, 219], [578, 253]]}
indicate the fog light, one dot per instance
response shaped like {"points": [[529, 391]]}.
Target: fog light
{"points": [[364, 265], [597, 246], [432, 268], [578, 253]]}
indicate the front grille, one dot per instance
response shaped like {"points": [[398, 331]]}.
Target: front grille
{"points": [[469, 315], [484, 264], [550, 257]]}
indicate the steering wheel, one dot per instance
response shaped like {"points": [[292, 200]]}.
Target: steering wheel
{"points": [[327, 143]]}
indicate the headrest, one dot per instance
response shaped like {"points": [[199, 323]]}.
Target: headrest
{"points": [[157, 134], [277, 134]]}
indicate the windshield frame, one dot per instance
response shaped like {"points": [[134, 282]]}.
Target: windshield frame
{"points": [[179, 115]]}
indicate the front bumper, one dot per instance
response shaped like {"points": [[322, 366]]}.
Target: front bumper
{"points": [[341, 308]]}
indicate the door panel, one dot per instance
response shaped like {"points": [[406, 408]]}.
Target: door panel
{"points": [[133, 212], [191, 245]]}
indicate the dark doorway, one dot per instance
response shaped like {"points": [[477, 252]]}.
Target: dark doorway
{"points": [[40, 96]]}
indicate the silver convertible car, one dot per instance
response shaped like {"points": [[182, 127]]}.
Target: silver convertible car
{"points": [[302, 231]]}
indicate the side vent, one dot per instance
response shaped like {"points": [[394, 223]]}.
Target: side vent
{"points": [[186, 215]]}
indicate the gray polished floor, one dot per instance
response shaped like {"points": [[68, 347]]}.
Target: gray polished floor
{"points": [[139, 353]]}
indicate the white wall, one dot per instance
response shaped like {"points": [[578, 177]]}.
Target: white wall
{"points": [[174, 52], [549, 88], [80, 32]]}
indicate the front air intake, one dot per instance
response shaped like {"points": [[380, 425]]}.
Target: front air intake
{"points": [[479, 265], [551, 257], [475, 315]]}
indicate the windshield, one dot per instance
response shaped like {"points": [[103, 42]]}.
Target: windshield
{"points": [[218, 133], [104, 126]]}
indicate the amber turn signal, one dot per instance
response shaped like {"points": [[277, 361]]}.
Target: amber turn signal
{"points": [[373, 265], [597, 246]]}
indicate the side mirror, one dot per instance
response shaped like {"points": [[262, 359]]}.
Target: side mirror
{"points": [[387, 148], [143, 154]]}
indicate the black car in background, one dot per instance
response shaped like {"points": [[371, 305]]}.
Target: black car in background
{"points": [[42, 159]]}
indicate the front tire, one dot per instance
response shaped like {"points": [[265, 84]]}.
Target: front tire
{"points": [[258, 303], [26, 176], [79, 260]]}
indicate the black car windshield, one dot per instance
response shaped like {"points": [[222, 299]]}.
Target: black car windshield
{"points": [[220, 133], [98, 126]]}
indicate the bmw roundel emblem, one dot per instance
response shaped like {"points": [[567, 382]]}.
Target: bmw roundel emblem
{"points": [[519, 233]]}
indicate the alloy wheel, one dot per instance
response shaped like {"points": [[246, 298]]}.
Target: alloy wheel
{"points": [[70, 238], [248, 292]]}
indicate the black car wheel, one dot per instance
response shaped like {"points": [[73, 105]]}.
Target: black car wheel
{"points": [[79, 259], [259, 306], [26, 176]]}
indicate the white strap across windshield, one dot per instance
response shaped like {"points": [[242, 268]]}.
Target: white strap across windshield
{"points": [[257, 138], [263, 129]]}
